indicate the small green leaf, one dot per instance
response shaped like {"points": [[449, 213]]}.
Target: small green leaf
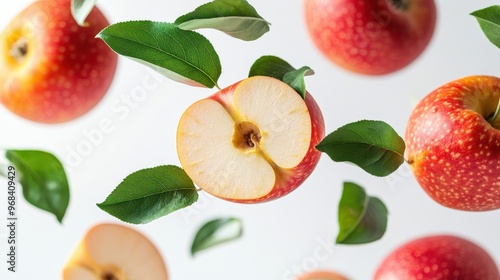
{"points": [[296, 79], [273, 66], [181, 55], [80, 9], [362, 218], [489, 21], [149, 194], [216, 232], [43, 180], [372, 145], [237, 18]]}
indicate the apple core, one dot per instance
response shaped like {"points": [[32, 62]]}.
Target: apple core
{"points": [[246, 136]]}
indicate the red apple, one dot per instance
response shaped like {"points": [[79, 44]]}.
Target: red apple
{"points": [[321, 275], [453, 144], [438, 257], [253, 141], [371, 37], [51, 69]]}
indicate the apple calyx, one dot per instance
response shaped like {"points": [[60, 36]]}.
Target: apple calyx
{"points": [[400, 5], [19, 49], [494, 119]]}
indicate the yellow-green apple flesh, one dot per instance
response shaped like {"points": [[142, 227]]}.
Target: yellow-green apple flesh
{"points": [[453, 144], [438, 257], [115, 252], [321, 275], [251, 142], [371, 37], [51, 69]]}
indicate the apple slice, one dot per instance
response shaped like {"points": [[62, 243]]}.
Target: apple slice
{"points": [[253, 141], [115, 252]]}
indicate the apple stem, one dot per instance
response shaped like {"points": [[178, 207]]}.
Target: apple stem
{"points": [[494, 120], [19, 49]]}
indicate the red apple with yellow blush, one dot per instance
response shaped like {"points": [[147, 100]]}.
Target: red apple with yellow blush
{"points": [[438, 257], [371, 37], [453, 143], [51, 69]]}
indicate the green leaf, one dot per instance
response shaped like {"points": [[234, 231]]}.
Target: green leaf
{"points": [[149, 194], [80, 9], [362, 218], [372, 145], [216, 232], [181, 55], [273, 66], [489, 21], [43, 180], [236, 18], [296, 79]]}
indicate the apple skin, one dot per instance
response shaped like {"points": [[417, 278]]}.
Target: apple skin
{"points": [[64, 72], [371, 37], [288, 179], [438, 257], [452, 149], [321, 275]]}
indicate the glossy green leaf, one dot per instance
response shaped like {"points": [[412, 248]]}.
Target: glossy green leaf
{"points": [[181, 55], [296, 79], [149, 194], [362, 218], [372, 145], [80, 9], [489, 21], [273, 66], [43, 180], [236, 18], [216, 232]]}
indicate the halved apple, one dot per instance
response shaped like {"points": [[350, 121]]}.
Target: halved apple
{"points": [[251, 142], [115, 252]]}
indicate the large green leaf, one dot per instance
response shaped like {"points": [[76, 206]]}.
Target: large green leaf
{"points": [[236, 18], [489, 20], [181, 55], [362, 218], [372, 145], [149, 194], [80, 9], [273, 66], [43, 180], [216, 232]]}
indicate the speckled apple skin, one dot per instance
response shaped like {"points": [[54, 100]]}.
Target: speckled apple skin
{"points": [[288, 180], [440, 257], [370, 36], [67, 70], [453, 151]]}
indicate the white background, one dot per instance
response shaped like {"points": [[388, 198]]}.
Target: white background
{"points": [[281, 234]]}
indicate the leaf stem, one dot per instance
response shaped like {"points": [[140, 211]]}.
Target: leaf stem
{"points": [[494, 120]]}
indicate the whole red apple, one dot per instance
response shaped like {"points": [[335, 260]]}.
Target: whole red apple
{"points": [[438, 257], [453, 144], [51, 69], [251, 142], [371, 37]]}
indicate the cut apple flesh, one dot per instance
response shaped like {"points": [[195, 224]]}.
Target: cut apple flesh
{"points": [[114, 252], [237, 143]]}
